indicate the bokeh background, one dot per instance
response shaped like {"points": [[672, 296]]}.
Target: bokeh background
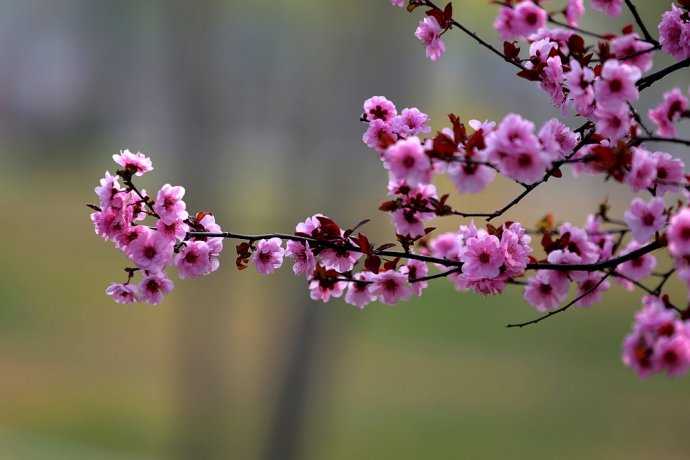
{"points": [[254, 106]]}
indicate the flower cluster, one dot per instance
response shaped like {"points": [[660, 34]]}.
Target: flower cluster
{"points": [[120, 218], [674, 31], [659, 341], [669, 112]]}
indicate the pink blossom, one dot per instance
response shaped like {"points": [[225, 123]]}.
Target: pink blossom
{"points": [[528, 18], [674, 33], [565, 257], [630, 45], [325, 289], [429, 33], [398, 3], [122, 293], [109, 223], [446, 246], [268, 255], [613, 123], [666, 114], [616, 86], [305, 262], [635, 269], [169, 205], [591, 288], [642, 170], [505, 24], [209, 225], [176, 230], [670, 173], [153, 288], [574, 12], [471, 177], [609, 7], [193, 260], [411, 122], [483, 257], [552, 80], [408, 223], [379, 108], [151, 251], [678, 233], [416, 269], [516, 150], [135, 163], [673, 354], [543, 293], [309, 225], [515, 244], [483, 286], [407, 160], [379, 136], [645, 219], [579, 243], [131, 234], [557, 139], [359, 291], [580, 83], [340, 260], [391, 287], [109, 186]]}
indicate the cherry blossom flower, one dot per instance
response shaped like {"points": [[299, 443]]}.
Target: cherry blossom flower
{"points": [[193, 260], [398, 3], [268, 255], [415, 269], [359, 292], [673, 354], [629, 49], [379, 136], [122, 293], [407, 160], [429, 33], [135, 163], [173, 231], [674, 33], [591, 288], [305, 261], [580, 81], [107, 189], [574, 11], [154, 287], [391, 287], [471, 176], [411, 122], [645, 218], [552, 80], [670, 173], [557, 139], [326, 288], [616, 86], [613, 123], [678, 233], [635, 269], [483, 257], [169, 205], [151, 251], [609, 7], [543, 293], [642, 170], [379, 108], [666, 114]]}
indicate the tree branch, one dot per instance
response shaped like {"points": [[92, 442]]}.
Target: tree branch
{"points": [[649, 80], [641, 23]]}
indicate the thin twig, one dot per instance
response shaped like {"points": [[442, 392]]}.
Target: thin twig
{"points": [[641, 23], [649, 80]]}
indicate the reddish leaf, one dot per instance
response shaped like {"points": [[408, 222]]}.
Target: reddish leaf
{"points": [[628, 29], [372, 263], [459, 131], [363, 243], [388, 206], [391, 264]]}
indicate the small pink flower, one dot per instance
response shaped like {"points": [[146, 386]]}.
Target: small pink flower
{"points": [[411, 122], [636, 269], [194, 260], [407, 160], [552, 80], [209, 225], [670, 173], [408, 223], [153, 288], [151, 251], [379, 136], [678, 234], [580, 83], [543, 293], [642, 171], [446, 246], [483, 257], [609, 7], [616, 86], [574, 12], [469, 177], [391, 287], [305, 262], [309, 225], [174, 231], [666, 114], [565, 257], [109, 223], [122, 293], [340, 260], [674, 33], [613, 123], [505, 23], [579, 243], [398, 3], [429, 33], [108, 188], [484, 286], [672, 354], [169, 205], [591, 288], [645, 219], [630, 45], [416, 269], [268, 255], [136, 163], [326, 289], [131, 234], [557, 139], [379, 108], [515, 244], [528, 18], [359, 292]]}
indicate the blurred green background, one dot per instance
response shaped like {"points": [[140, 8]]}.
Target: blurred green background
{"points": [[253, 106]]}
